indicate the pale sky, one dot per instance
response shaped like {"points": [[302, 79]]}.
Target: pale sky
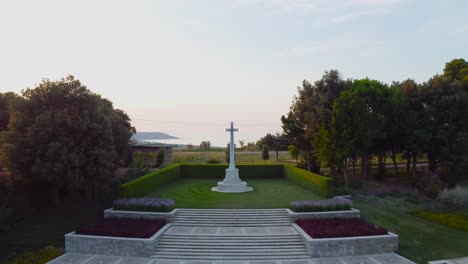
{"points": [[219, 61]]}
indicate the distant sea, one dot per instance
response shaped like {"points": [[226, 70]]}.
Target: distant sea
{"points": [[188, 139]]}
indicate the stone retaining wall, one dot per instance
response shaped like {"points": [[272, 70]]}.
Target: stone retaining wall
{"points": [[119, 246], [168, 216], [326, 214], [348, 246]]}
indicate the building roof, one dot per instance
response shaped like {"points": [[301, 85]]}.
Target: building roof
{"points": [[141, 144]]}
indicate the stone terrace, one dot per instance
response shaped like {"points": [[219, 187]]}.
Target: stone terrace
{"points": [[208, 236]]}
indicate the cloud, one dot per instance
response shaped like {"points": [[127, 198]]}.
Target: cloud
{"points": [[336, 45]]}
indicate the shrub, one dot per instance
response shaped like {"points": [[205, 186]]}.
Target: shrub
{"points": [[339, 227], [309, 180], [123, 227], [146, 204], [213, 161], [41, 256], [452, 220], [147, 183], [334, 204], [430, 184], [457, 197]]}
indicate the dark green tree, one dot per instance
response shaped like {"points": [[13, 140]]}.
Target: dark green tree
{"points": [[310, 113], [359, 119], [64, 135], [265, 154]]}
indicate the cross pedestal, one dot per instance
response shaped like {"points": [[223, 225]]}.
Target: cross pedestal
{"points": [[232, 183]]}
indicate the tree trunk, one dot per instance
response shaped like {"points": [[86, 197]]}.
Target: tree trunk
{"points": [[354, 167], [432, 162], [408, 163], [309, 167], [364, 165], [415, 156], [332, 171], [395, 166], [345, 174]]}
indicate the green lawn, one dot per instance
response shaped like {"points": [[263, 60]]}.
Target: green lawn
{"points": [[420, 240], [271, 193]]}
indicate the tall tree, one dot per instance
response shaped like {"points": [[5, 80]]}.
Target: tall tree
{"points": [[359, 119], [66, 136], [265, 154], [310, 112]]}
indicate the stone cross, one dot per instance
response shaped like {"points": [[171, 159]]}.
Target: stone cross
{"points": [[232, 160], [232, 182]]}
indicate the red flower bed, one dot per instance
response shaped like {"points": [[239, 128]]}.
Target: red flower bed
{"points": [[339, 227], [123, 227]]}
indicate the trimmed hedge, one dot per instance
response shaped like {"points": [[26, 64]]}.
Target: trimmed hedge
{"points": [[452, 220], [217, 171], [147, 183], [309, 180]]}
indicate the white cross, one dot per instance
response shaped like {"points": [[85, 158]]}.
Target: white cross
{"points": [[232, 162]]}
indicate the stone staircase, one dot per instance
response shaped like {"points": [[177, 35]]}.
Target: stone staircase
{"points": [[231, 217], [218, 234]]}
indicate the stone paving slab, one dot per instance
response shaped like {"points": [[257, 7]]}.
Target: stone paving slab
{"points": [[72, 258], [226, 230], [451, 261]]}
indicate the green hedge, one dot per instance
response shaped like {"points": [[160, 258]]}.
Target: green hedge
{"points": [[217, 171], [147, 183], [452, 220], [314, 182]]}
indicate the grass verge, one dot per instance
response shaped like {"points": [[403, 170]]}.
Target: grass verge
{"points": [[268, 193]]}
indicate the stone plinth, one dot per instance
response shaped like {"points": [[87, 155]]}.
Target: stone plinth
{"points": [[232, 183]]}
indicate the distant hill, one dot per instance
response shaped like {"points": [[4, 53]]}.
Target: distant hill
{"points": [[141, 136]]}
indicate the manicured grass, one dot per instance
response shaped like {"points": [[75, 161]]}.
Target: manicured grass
{"points": [[268, 193], [420, 240]]}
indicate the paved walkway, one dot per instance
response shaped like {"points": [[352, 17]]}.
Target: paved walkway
{"points": [[71, 258], [212, 236]]}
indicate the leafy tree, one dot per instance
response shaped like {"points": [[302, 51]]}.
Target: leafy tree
{"points": [[265, 154], [205, 145], [6, 100], [358, 118], [312, 111], [64, 135], [294, 152]]}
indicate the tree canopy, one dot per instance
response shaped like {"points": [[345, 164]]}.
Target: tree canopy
{"points": [[62, 134], [333, 122]]}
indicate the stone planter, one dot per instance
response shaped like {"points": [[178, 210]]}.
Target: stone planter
{"points": [[119, 246], [168, 216], [326, 214], [348, 246]]}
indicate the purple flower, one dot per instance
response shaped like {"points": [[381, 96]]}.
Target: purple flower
{"points": [[322, 205], [144, 204]]}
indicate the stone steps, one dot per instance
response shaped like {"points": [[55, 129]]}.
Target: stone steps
{"points": [[231, 217], [255, 242]]}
